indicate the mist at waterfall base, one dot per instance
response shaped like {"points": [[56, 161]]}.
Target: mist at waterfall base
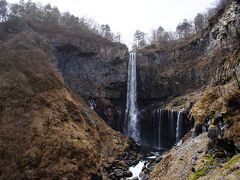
{"points": [[161, 129]]}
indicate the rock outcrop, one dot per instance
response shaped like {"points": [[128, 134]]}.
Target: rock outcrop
{"points": [[194, 159], [194, 63], [178, 76], [98, 72]]}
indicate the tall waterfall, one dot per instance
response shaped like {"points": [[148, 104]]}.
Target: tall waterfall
{"points": [[132, 124]]}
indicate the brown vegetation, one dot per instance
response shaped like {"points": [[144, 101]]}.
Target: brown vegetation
{"points": [[47, 131]]}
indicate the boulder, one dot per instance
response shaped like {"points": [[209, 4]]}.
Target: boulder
{"points": [[118, 173], [213, 132], [128, 174]]}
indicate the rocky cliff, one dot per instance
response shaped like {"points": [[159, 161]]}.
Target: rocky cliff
{"points": [[174, 77], [201, 76], [98, 72], [191, 64], [48, 131], [91, 66]]}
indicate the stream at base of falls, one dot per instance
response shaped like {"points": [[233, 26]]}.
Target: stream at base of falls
{"points": [[143, 168]]}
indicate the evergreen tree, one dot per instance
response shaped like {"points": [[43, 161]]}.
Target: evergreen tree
{"points": [[185, 29], [3, 10]]}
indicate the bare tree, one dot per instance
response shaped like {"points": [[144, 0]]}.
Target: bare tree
{"points": [[160, 33], [153, 37], [51, 15], [69, 21], [118, 37]]}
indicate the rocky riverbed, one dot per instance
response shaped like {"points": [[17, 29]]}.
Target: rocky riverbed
{"points": [[136, 163]]}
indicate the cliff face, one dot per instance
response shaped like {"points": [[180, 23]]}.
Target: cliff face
{"points": [[190, 65], [91, 66], [47, 131], [98, 72], [191, 160], [200, 75], [206, 74]]}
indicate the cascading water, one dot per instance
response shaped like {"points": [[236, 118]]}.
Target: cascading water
{"points": [[132, 124], [159, 127], [178, 128], [168, 126]]}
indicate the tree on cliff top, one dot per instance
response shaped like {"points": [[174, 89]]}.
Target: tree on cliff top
{"points": [[51, 15], [199, 23], [106, 32], [139, 38], [3, 10], [50, 19], [185, 29]]}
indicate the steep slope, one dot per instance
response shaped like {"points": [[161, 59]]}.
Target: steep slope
{"points": [[46, 130], [191, 160], [90, 65]]}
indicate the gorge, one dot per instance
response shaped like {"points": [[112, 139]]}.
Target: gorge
{"points": [[76, 105]]}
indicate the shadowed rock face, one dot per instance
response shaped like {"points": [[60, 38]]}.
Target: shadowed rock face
{"points": [[159, 127], [99, 73], [166, 74]]}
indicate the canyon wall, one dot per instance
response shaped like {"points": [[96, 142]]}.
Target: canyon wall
{"points": [[174, 78], [98, 72], [191, 64]]}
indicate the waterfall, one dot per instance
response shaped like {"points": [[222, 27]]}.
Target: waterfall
{"points": [[167, 127], [178, 128], [171, 119], [132, 124], [92, 104], [159, 112]]}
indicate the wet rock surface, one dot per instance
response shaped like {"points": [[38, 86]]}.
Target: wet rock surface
{"points": [[159, 126], [119, 168]]}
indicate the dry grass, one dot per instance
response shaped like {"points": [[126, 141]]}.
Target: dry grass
{"points": [[46, 131]]}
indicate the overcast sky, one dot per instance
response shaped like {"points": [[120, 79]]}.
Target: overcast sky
{"points": [[126, 16]]}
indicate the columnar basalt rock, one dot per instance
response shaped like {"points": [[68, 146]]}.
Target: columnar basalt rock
{"points": [[97, 72]]}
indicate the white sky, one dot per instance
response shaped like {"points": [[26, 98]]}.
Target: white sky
{"points": [[126, 16]]}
